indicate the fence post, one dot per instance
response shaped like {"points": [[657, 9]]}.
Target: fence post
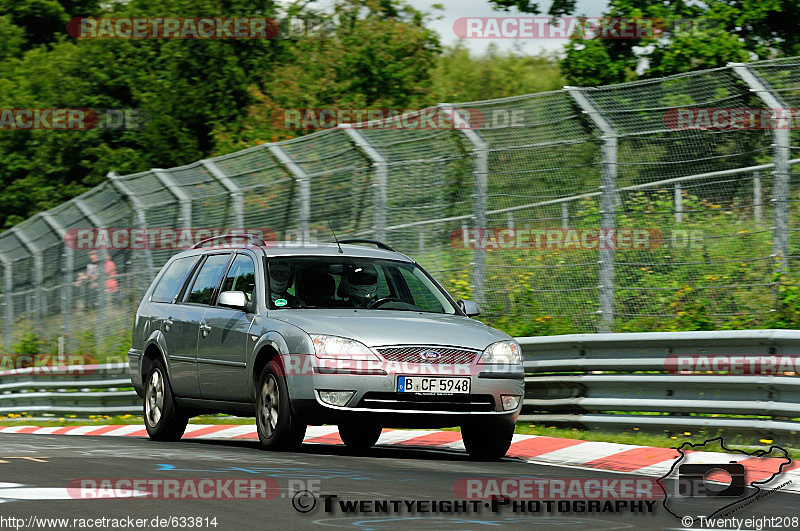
{"points": [[67, 268], [141, 219], [381, 174], [565, 215], [304, 186], [8, 300], [237, 197], [183, 198], [101, 271], [480, 195], [757, 196], [36, 254], [678, 203], [608, 201], [780, 157]]}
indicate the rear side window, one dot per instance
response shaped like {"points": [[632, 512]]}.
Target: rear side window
{"points": [[172, 280], [208, 279]]}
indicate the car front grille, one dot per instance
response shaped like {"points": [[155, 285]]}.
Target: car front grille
{"points": [[401, 401], [412, 354]]}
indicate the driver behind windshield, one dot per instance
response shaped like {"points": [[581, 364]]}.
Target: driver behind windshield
{"points": [[360, 286], [279, 276]]}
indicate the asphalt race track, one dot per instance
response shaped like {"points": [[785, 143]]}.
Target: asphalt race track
{"points": [[36, 469]]}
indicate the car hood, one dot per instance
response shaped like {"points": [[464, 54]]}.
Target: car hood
{"points": [[376, 328]]}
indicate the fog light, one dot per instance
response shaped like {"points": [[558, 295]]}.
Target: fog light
{"points": [[510, 402], [336, 398]]}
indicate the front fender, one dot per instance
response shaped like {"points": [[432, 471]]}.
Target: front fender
{"points": [[295, 345]]}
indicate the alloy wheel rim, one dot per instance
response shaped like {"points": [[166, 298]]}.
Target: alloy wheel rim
{"points": [[270, 399], [154, 398]]}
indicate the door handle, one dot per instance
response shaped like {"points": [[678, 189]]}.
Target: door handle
{"points": [[168, 324], [205, 329]]}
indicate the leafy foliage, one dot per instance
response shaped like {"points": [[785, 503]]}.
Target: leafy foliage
{"points": [[695, 36]]}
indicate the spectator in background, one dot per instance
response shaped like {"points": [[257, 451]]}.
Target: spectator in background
{"points": [[90, 276]]}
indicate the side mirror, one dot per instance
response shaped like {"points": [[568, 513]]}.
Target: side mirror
{"points": [[233, 299], [469, 307]]}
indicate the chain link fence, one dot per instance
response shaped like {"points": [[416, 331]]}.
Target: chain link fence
{"points": [[618, 219]]}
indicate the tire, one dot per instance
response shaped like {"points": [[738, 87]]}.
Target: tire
{"points": [[487, 443], [278, 428], [163, 419], [359, 438]]}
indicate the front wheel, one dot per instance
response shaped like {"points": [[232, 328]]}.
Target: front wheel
{"points": [[487, 443], [277, 428], [163, 419], [359, 438]]}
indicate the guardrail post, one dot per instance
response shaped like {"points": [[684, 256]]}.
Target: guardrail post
{"points": [[141, 220], [67, 268], [183, 198], [780, 145], [103, 256], [381, 177], [36, 254], [304, 186], [237, 197], [678, 203], [608, 200], [8, 300], [480, 195]]}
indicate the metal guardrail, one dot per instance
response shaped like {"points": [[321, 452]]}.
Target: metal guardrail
{"points": [[584, 380], [78, 389], [600, 380]]}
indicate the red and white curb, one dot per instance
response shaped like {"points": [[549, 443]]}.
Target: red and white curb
{"points": [[612, 457]]}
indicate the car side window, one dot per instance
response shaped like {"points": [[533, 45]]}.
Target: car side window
{"points": [[172, 280], [207, 279], [241, 276]]}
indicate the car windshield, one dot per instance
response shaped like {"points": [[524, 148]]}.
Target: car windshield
{"points": [[364, 283]]}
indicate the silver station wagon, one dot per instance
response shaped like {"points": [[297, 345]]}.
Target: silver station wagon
{"points": [[357, 336]]}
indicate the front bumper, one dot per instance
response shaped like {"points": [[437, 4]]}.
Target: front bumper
{"points": [[376, 400]]}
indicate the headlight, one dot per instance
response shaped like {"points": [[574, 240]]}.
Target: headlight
{"points": [[502, 352], [341, 348]]}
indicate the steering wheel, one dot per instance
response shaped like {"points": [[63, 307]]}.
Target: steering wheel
{"points": [[382, 301]]}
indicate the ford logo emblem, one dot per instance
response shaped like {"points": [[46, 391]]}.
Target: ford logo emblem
{"points": [[429, 355]]}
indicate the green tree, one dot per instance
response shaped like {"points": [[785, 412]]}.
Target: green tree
{"points": [[696, 36], [461, 77], [365, 54]]}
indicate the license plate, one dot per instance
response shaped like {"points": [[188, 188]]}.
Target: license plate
{"points": [[433, 385]]}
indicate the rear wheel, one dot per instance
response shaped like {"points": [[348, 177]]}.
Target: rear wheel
{"points": [[163, 419], [487, 442], [278, 428], [359, 438]]}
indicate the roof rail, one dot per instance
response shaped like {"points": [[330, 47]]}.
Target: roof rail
{"points": [[378, 244], [254, 240]]}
